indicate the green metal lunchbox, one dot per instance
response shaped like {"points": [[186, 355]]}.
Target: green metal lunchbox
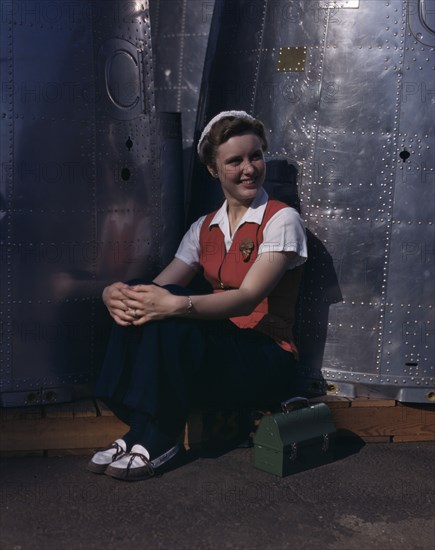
{"points": [[297, 439]]}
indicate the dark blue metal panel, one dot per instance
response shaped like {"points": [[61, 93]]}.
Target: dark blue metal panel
{"points": [[85, 165]]}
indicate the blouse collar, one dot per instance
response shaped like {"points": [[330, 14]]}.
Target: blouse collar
{"points": [[254, 214]]}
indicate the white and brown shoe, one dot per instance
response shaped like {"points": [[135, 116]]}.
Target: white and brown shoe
{"points": [[103, 458], [137, 464]]}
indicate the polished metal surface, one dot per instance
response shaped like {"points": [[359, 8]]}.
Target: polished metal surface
{"points": [[346, 90], [91, 185], [92, 165], [180, 31]]}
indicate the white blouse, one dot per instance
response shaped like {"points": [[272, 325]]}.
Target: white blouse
{"points": [[284, 232]]}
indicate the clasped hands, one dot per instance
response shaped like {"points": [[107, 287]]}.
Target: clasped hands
{"points": [[139, 304]]}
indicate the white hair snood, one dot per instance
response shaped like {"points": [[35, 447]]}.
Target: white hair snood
{"points": [[223, 114]]}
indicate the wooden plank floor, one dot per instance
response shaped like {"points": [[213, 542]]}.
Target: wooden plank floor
{"points": [[80, 427]]}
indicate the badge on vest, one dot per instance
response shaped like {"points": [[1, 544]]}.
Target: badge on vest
{"points": [[246, 247]]}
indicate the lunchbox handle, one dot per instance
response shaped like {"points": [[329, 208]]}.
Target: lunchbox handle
{"points": [[287, 405]]}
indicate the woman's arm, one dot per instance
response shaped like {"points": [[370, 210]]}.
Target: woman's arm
{"points": [[150, 302], [258, 283], [176, 273], [115, 296]]}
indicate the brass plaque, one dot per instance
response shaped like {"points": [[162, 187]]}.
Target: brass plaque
{"points": [[292, 59]]}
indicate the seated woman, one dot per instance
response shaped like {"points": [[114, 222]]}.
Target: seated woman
{"points": [[170, 348]]}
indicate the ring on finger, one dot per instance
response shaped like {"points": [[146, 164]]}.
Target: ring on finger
{"points": [[136, 314]]}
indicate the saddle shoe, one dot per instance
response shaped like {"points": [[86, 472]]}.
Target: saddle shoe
{"points": [[137, 464], [101, 459]]}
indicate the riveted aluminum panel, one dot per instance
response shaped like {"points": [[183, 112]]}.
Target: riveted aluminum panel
{"points": [[84, 170], [50, 196], [352, 115], [408, 348], [45, 246], [180, 30], [363, 98], [342, 121], [409, 332]]}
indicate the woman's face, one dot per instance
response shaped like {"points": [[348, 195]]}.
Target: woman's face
{"points": [[241, 168]]}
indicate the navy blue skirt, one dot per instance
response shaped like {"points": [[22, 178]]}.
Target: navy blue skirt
{"points": [[164, 368]]}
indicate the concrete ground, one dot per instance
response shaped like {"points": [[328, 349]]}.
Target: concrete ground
{"points": [[372, 496]]}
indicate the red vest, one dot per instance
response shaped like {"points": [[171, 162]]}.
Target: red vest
{"points": [[226, 270]]}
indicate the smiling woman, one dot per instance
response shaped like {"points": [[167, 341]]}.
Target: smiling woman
{"points": [[240, 168], [231, 345]]}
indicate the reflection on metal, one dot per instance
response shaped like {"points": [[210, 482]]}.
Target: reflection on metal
{"points": [[91, 176], [123, 79], [421, 21], [91, 186], [332, 388], [356, 128], [426, 11], [292, 59], [119, 77], [339, 4], [180, 32]]}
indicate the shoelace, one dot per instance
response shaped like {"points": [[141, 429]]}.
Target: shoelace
{"points": [[147, 463], [119, 451]]}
